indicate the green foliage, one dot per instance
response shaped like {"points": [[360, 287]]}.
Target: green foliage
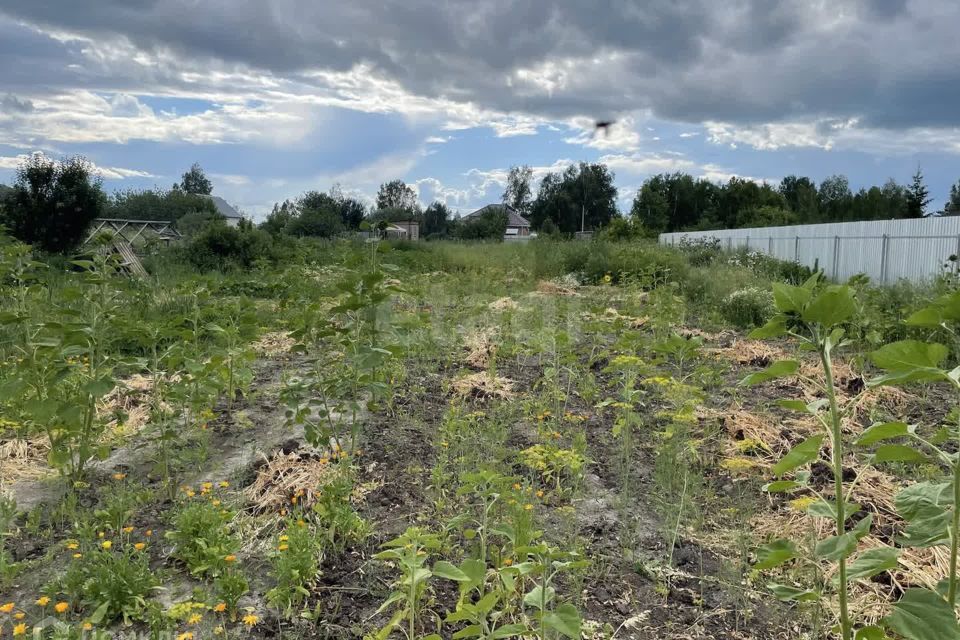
{"points": [[583, 194], [157, 204], [518, 193], [114, 583], [409, 554], [195, 181], [397, 195], [53, 203], [747, 308], [295, 564], [489, 225], [202, 538], [221, 247]]}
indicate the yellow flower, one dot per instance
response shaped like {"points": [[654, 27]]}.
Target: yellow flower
{"points": [[190, 493], [250, 619], [140, 546], [72, 546], [215, 503], [61, 607], [127, 529], [507, 562], [19, 615], [607, 278], [220, 607], [301, 523], [8, 607], [148, 532], [99, 534], [43, 601], [186, 635], [283, 547], [540, 493], [516, 486], [119, 476], [284, 538], [218, 631], [195, 618], [527, 507], [106, 544], [230, 558], [77, 556], [87, 626], [20, 629], [224, 484]]}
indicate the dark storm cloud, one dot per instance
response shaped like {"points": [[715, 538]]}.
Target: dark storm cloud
{"points": [[889, 63]]}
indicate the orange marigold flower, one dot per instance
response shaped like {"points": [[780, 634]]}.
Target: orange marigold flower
{"points": [[119, 476], [72, 545], [148, 532], [61, 607], [508, 561], [77, 556], [43, 601], [8, 607], [19, 615], [220, 607], [230, 558], [186, 635], [87, 626], [127, 529], [140, 546]]}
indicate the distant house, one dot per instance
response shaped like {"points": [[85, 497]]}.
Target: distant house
{"points": [[226, 210], [410, 228], [517, 226]]}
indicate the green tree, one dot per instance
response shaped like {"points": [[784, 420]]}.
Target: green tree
{"points": [[318, 214], [397, 195], [53, 203], [153, 204], [952, 207], [802, 198], [835, 198], [436, 220], [279, 218], [518, 193], [491, 225], [918, 197], [195, 181], [583, 194]]}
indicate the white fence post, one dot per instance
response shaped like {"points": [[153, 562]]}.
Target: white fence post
{"points": [[770, 245], [796, 249], [884, 246], [836, 257]]}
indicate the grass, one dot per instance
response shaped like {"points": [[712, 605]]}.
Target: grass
{"points": [[416, 440]]}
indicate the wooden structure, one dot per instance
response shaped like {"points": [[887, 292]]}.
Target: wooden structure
{"points": [[124, 234]]}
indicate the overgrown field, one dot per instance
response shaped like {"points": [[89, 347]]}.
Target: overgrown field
{"points": [[554, 440]]}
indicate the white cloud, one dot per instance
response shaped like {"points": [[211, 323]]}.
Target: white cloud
{"points": [[109, 173]]}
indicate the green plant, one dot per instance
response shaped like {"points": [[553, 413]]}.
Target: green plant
{"points": [[747, 308], [553, 463], [202, 538], [8, 530], [543, 565], [814, 315], [336, 517], [296, 563], [115, 583], [231, 585], [409, 553]]}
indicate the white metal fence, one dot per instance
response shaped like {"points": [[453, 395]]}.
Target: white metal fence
{"points": [[885, 250]]}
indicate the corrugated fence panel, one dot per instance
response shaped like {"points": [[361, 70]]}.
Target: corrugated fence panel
{"points": [[885, 250]]}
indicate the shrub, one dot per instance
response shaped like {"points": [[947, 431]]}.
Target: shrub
{"points": [[202, 538], [222, 247], [750, 307]]}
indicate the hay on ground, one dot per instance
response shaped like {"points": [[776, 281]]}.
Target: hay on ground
{"points": [[129, 400], [289, 478], [23, 459], [504, 304], [552, 288], [480, 345], [274, 343], [745, 352], [482, 385]]}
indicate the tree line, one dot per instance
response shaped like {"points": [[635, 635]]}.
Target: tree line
{"points": [[52, 203]]}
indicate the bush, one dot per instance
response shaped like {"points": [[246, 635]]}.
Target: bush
{"points": [[222, 247], [112, 583], [746, 308]]}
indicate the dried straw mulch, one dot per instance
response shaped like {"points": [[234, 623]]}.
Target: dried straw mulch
{"points": [[482, 385], [288, 478]]}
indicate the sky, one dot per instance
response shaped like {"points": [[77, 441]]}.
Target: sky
{"points": [[277, 98]]}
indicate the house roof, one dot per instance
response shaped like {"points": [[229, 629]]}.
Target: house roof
{"points": [[514, 219], [224, 208]]}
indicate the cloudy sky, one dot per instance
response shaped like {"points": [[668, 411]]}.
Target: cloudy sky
{"points": [[274, 98]]}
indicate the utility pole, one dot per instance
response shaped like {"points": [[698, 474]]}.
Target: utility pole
{"points": [[583, 201]]}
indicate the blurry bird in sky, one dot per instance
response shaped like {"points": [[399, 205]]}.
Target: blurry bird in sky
{"points": [[605, 125]]}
